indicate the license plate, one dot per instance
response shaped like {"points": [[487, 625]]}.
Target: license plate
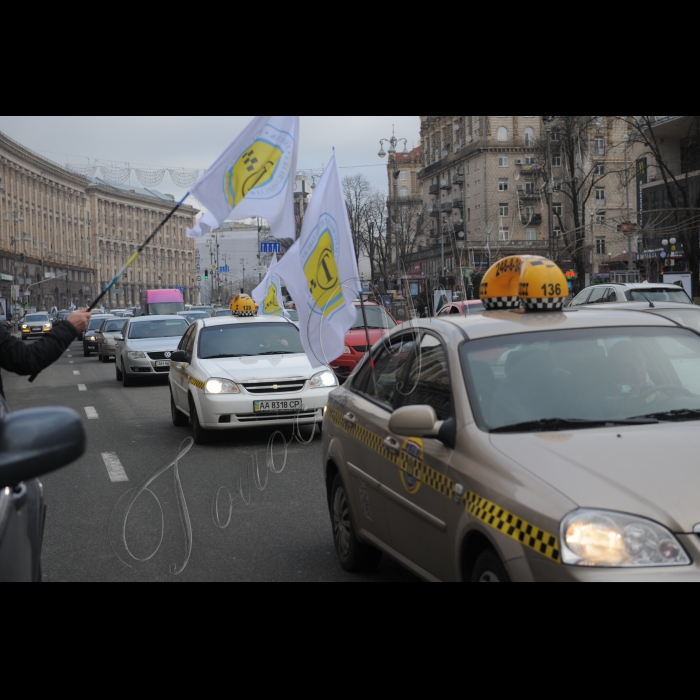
{"points": [[276, 406], [163, 363], [35, 330]]}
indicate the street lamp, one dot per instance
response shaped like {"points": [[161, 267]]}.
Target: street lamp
{"points": [[668, 254], [550, 185], [393, 143]]}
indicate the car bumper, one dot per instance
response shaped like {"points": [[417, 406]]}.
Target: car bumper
{"points": [[238, 412], [89, 346], [107, 350], [344, 366], [145, 368], [34, 334]]}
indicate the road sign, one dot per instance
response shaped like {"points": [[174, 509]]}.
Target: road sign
{"points": [[271, 248], [213, 267], [259, 270], [663, 256], [199, 279], [224, 269]]}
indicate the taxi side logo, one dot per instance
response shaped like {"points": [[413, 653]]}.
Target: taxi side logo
{"points": [[262, 170], [319, 257], [411, 460]]}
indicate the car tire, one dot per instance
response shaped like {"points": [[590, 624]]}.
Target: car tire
{"points": [[119, 372], [127, 380], [489, 569], [100, 357], [200, 435], [86, 353], [180, 420], [354, 556]]}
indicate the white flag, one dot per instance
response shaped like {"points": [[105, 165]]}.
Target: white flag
{"points": [[254, 177], [320, 271], [269, 293]]}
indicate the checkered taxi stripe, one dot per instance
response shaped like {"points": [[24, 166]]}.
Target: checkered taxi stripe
{"points": [[196, 383], [489, 513]]}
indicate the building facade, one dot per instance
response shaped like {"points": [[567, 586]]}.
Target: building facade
{"points": [[484, 189], [63, 237]]}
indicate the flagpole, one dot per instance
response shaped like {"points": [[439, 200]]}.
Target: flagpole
{"points": [[130, 261], [364, 317]]}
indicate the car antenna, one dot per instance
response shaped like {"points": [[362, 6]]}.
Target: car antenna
{"points": [[651, 305]]}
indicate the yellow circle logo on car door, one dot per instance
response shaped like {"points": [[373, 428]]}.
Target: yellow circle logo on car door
{"points": [[411, 464]]}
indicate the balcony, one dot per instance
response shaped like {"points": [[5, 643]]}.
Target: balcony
{"points": [[434, 189], [534, 220], [458, 180], [458, 203], [446, 206], [528, 195], [435, 213], [445, 185]]}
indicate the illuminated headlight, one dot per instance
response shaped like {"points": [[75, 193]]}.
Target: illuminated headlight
{"points": [[137, 355], [347, 351], [605, 539], [92, 337], [47, 326], [323, 380], [221, 386], [24, 327]]}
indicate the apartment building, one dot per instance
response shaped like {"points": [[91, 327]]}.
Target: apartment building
{"points": [[484, 190]]}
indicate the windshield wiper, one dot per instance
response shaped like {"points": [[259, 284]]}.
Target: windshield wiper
{"points": [[279, 352], [683, 414], [371, 328], [225, 357], [555, 424]]}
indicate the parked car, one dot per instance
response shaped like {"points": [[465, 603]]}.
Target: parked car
{"points": [[462, 307], [35, 325], [146, 345], [90, 337], [619, 293], [106, 337], [32, 443]]}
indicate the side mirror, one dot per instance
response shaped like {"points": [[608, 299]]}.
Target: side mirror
{"points": [[414, 421], [37, 442], [120, 338], [180, 356]]}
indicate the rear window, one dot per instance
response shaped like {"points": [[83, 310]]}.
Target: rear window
{"points": [[677, 295], [95, 324], [114, 326], [376, 318], [37, 318], [174, 328]]}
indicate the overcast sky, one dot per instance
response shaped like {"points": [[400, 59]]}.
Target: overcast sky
{"points": [[196, 142]]}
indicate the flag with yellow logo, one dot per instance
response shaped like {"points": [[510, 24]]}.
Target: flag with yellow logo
{"points": [[320, 271], [269, 293], [254, 177]]}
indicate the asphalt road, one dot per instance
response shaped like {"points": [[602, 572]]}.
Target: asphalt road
{"points": [[207, 518]]}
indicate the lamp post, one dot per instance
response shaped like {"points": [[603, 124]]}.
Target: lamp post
{"points": [[16, 219], [393, 213], [550, 185], [630, 267], [669, 245]]}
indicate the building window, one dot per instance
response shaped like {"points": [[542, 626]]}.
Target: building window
{"points": [[502, 134], [600, 247], [404, 192], [557, 208], [529, 137], [504, 234], [530, 234], [503, 210], [600, 169], [503, 184], [600, 147], [600, 196], [404, 175], [503, 160]]}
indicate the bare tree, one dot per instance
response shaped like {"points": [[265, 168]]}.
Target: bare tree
{"points": [[358, 192], [376, 241], [681, 187]]}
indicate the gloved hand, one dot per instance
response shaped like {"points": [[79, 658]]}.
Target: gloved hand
{"points": [[80, 320]]}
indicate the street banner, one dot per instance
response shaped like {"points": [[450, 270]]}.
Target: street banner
{"points": [[269, 293], [320, 271], [254, 177]]}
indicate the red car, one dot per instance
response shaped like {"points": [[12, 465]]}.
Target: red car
{"points": [[379, 322], [462, 307]]}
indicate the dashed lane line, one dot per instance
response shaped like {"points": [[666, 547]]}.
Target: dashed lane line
{"points": [[91, 413], [82, 387], [114, 467], [76, 372]]}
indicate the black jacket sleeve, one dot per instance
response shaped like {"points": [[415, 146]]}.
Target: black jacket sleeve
{"points": [[29, 359]]}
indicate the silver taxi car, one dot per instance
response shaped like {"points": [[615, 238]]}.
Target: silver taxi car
{"points": [[235, 373], [514, 446]]}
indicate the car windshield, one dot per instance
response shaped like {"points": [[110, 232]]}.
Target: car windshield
{"points": [[95, 324], [165, 308], [221, 313], [249, 340], [204, 310], [376, 318], [36, 318], [194, 315], [601, 375], [677, 295], [170, 328], [113, 326]]}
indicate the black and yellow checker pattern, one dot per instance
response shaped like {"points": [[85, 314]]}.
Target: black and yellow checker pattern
{"points": [[489, 513], [196, 383]]}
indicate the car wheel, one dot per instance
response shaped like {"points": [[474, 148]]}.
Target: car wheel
{"points": [[119, 372], [354, 556], [86, 353], [100, 357], [200, 435], [127, 380], [489, 569], [180, 420]]}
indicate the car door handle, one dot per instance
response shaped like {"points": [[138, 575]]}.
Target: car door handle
{"points": [[392, 445], [350, 419]]}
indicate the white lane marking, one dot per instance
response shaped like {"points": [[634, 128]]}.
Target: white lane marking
{"points": [[82, 387], [91, 413], [70, 355], [71, 362], [76, 372], [114, 467]]}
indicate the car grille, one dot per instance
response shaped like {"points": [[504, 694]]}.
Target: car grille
{"points": [[160, 355], [255, 418], [276, 387]]}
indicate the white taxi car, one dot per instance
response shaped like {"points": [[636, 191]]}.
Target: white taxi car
{"points": [[234, 373], [523, 444]]}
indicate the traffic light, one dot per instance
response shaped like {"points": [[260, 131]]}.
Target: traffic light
{"points": [[206, 274]]}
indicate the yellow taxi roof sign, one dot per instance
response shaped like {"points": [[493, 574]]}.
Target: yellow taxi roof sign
{"points": [[528, 281]]}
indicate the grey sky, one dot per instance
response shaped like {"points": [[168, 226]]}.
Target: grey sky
{"points": [[196, 142]]}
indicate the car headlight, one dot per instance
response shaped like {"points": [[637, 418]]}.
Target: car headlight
{"points": [[221, 386], [92, 337], [606, 539], [137, 355], [347, 351], [323, 380], [24, 327], [47, 325]]}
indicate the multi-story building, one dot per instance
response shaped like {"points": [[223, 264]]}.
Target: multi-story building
{"points": [[64, 237], [485, 193]]}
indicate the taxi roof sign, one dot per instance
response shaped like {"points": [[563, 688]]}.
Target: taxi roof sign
{"points": [[528, 281]]}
